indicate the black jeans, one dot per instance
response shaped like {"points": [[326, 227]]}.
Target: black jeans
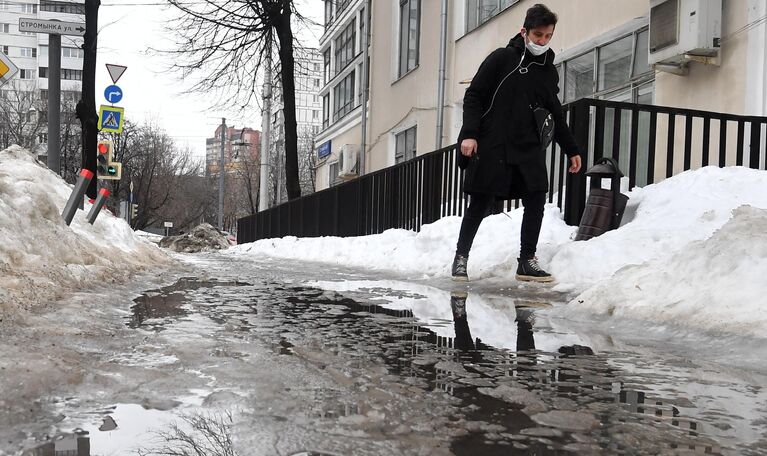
{"points": [[480, 207]]}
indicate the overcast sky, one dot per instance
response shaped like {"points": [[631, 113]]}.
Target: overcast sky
{"points": [[127, 29]]}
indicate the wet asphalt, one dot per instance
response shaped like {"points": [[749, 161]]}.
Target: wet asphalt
{"points": [[235, 356]]}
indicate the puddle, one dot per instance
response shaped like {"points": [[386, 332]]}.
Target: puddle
{"points": [[425, 368], [169, 302]]}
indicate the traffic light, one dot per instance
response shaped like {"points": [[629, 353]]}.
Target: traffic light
{"points": [[133, 211], [105, 167]]}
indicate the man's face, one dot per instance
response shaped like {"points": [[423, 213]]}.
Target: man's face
{"points": [[539, 35]]}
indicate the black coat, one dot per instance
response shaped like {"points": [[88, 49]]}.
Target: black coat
{"points": [[506, 132]]}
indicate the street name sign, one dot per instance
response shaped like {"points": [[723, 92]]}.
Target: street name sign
{"points": [[111, 119], [115, 71], [51, 26], [7, 69]]}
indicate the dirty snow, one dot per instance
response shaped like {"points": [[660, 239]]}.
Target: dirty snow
{"points": [[41, 258]]}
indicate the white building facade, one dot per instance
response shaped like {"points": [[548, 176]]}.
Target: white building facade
{"points": [[341, 92], [602, 52]]}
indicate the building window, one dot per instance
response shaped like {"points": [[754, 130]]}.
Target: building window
{"points": [[4, 6], [579, 77], [72, 53], [66, 74], [28, 8], [615, 63], [343, 96], [328, 12], [325, 111], [616, 67], [62, 7], [405, 145], [344, 52], [333, 170], [26, 74], [410, 18], [28, 52], [326, 63], [5, 50], [5, 28], [480, 11]]}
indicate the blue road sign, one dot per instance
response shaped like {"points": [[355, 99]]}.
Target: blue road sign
{"points": [[113, 94], [324, 150], [111, 119]]}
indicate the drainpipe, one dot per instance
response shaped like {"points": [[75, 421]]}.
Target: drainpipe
{"points": [[365, 86], [441, 82]]}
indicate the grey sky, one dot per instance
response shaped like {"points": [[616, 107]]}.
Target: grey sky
{"points": [[127, 28]]}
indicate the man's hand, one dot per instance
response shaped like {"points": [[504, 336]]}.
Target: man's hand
{"points": [[468, 147], [575, 164]]}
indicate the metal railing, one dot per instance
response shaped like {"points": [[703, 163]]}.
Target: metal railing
{"points": [[649, 142]]}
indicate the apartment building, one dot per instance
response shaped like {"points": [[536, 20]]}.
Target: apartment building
{"points": [[602, 52], [308, 82], [240, 145], [29, 52], [341, 91]]}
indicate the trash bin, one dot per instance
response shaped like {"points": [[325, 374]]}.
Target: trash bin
{"points": [[604, 208]]}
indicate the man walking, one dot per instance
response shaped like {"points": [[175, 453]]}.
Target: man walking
{"points": [[508, 111]]}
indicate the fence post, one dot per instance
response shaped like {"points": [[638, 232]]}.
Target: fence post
{"points": [[575, 198]]}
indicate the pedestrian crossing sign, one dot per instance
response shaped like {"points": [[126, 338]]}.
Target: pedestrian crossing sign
{"points": [[111, 119]]}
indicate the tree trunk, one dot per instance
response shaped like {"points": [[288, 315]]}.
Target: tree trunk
{"points": [[86, 107], [287, 62]]}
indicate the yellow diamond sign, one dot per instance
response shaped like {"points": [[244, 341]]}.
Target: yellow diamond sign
{"points": [[7, 69]]}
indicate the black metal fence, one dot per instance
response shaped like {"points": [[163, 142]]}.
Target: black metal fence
{"points": [[650, 143]]}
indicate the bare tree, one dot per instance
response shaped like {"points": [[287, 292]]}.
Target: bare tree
{"points": [[21, 119], [228, 42], [168, 183], [307, 164]]}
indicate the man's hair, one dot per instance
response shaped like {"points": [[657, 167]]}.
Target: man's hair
{"points": [[539, 16]]}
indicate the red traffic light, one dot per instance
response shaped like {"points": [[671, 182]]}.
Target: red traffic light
{"points": [[103, 148]]}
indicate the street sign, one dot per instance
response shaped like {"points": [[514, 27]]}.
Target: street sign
{"points": [[51, 26], [168, 224], [7, 69], [113, 94], [111, 119], [115, 71], [324, 150]]}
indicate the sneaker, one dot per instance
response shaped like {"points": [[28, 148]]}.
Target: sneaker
{"points": [[459, 268], [529, 271], [458, 304]]}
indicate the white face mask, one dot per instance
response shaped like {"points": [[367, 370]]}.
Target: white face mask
{"points": [[536, 49]]}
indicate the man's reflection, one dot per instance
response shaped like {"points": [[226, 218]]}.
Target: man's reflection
{"points": [[463, 340]]}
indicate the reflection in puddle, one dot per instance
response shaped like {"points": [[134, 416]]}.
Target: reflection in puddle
{"points": [[499, 380], [169, 302], [76, 444]]}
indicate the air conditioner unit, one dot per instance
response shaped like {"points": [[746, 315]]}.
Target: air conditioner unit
{"points": [[684, 30], [347, 161]]}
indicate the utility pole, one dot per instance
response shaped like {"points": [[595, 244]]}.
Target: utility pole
{"points": [[54, 103], [263, 190], [441, 81], [365, 85], [221, 171], [86, 107]]}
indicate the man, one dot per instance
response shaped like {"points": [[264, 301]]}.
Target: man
{"points": [[501, 144]]}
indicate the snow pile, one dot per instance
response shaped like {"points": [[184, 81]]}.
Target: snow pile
{"points": [[202, 237], [41, 258], [672, 222], [716, 284]]}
